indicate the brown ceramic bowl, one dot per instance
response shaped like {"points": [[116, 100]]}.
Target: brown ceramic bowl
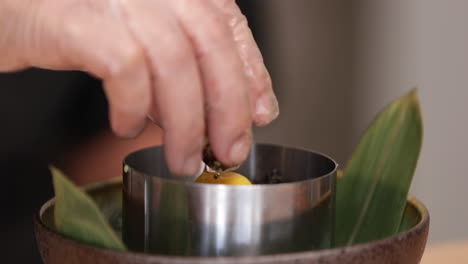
{"points": [[405, 247]]}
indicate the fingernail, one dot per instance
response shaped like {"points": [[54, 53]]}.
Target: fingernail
{"points": [[135, 133], [240, 149], [129, 132], [192, 165], [266, 110]]}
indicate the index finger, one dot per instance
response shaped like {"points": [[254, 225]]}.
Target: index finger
{"points": [[227, 105]]}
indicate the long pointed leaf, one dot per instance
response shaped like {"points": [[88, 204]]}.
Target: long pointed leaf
{"points": [[78, 217], [371, 196]]}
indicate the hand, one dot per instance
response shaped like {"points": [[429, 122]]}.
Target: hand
{"points": [[191, 65]]}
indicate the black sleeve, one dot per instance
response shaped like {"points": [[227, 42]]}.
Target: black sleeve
{"points": [[42, 113]]}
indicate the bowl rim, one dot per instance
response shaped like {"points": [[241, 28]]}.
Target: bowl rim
{"points": [[414, 202]]}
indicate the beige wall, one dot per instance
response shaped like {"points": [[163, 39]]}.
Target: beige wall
{"points": [[338, 62], [311, 75], [404, 43]]}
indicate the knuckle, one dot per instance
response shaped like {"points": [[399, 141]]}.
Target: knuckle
{"points": [[71, 30], [219, 29], [129, 56], [179, 55], [240, 23]]}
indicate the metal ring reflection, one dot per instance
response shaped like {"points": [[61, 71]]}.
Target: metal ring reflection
{"points": [[170, 215]]}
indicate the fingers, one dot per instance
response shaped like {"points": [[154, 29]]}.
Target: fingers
{"points": [[104, 48], [264, 103], [177, 89], [225, 88], [181, 63]]}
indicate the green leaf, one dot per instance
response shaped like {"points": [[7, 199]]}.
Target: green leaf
{"points": [[371, 195], [78, 217], [408, 219]]}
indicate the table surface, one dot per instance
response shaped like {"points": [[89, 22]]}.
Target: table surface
{"points": [[448, 253]]}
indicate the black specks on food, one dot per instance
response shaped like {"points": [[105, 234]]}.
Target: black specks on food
{"points": [[273, 177]]}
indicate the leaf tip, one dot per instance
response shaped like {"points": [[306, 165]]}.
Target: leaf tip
{"points": [[413, 95], [414, 100], [53, 170]]}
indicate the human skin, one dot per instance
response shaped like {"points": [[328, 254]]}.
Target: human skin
{"points": [[192, 66]]}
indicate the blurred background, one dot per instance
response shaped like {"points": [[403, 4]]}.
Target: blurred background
{"points": [[334, 65]]}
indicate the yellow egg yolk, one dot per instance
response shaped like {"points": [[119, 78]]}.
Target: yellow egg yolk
{"points": [[230, 178]]}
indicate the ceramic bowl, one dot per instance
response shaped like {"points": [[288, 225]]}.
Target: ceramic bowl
{"points": [[406, 247]]}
